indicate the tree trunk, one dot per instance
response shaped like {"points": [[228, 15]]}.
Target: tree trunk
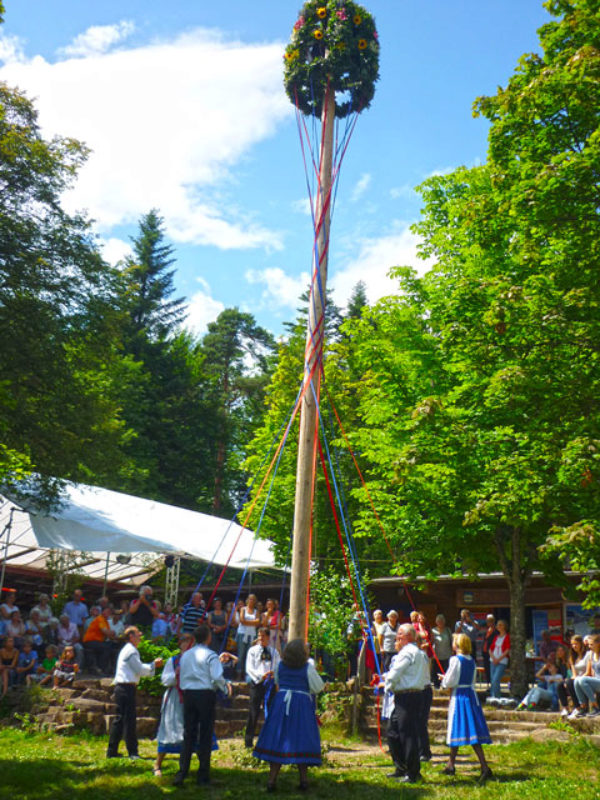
{"points": [[509, 539]]}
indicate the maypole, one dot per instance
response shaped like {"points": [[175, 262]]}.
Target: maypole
{"points": [[331, 66]]}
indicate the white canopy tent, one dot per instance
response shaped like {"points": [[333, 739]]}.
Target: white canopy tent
{"points": [[96, 522]]}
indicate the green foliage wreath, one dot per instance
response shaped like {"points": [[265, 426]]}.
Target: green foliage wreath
{"points": [[333, 42]]}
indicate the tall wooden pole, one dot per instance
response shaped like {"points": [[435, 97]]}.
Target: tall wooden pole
{"points": [[305, 469]]}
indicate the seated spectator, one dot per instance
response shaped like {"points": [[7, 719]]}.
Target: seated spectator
{"points": [[66, 668], [94, 612], [50, 634], [27, 662], [588, 685], [43, 609], [160, 627], [578, 660], [16, 629], [547, 645], [545, 693], [7, 608], [34, 629], [97, 642], [116, 623], [45, 670], [9, 657], [68, 636]]}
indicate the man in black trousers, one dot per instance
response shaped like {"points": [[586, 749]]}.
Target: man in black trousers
{"points": [[127, 675], [200, 676], [405, 680], [261, 662]]}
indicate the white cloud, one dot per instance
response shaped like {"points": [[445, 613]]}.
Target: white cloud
{"points": [[202, 308], [98, 39], [302, 206], [115, 250], [374, 259], [167, 123], [361, 187], [11, 49], [281, 290], [403, 191]]}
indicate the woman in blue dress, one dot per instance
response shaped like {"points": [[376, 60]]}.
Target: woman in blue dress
{"points": [[466, 723], [290, 734]]}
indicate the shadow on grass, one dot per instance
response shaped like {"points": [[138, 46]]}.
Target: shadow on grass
{"points": [[48, 779]]}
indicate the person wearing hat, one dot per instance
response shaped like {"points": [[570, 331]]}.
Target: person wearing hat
{"points": [[387, 641]]}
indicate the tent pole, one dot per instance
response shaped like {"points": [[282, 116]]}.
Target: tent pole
{"points": [[106, 573], [6, 530]]}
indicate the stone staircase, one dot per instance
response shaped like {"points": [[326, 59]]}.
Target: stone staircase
{"points": [[89, 704], [505, 726]]}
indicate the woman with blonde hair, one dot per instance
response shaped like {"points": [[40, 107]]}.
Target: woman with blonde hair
{"points": [[466, 722]]}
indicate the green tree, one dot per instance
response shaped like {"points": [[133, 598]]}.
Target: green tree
{"points": [[237, 355], [148, 285], [486, 423], [58, 394]]}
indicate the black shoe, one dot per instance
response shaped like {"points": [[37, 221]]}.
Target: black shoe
{"points": [[114, 755], [449, 770], [486, 774], [303, 786], [178, 779], [271, 787]]}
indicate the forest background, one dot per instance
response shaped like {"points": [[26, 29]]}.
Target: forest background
{"points": [[469, 397]]}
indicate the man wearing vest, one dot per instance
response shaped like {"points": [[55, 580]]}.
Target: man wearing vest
{"points": [[261, 663]]}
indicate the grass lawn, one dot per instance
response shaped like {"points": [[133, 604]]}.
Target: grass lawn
{"points": [[35, 766]]}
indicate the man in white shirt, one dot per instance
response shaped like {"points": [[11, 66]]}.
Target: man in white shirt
{"points": [[127, 675], [261, 662], [200, 676], [405, 680]]}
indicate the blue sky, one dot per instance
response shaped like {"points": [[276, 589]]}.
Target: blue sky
{"points": [[183, 106]]}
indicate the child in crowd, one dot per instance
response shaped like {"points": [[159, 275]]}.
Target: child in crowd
{"points": [[46, 669], [27, 662], [65, 669]]}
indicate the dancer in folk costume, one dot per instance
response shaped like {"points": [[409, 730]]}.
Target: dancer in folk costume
{"points": [[466, 722], [170, 730], [290, 734]]}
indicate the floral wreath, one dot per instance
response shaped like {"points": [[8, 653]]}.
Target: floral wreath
{"points": [[333, 43]]}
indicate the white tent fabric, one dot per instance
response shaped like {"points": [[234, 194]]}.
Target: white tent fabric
{"points": [[98, 521]]}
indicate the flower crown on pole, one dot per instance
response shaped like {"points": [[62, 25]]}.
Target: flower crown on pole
{"points": [[333, 43]]}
